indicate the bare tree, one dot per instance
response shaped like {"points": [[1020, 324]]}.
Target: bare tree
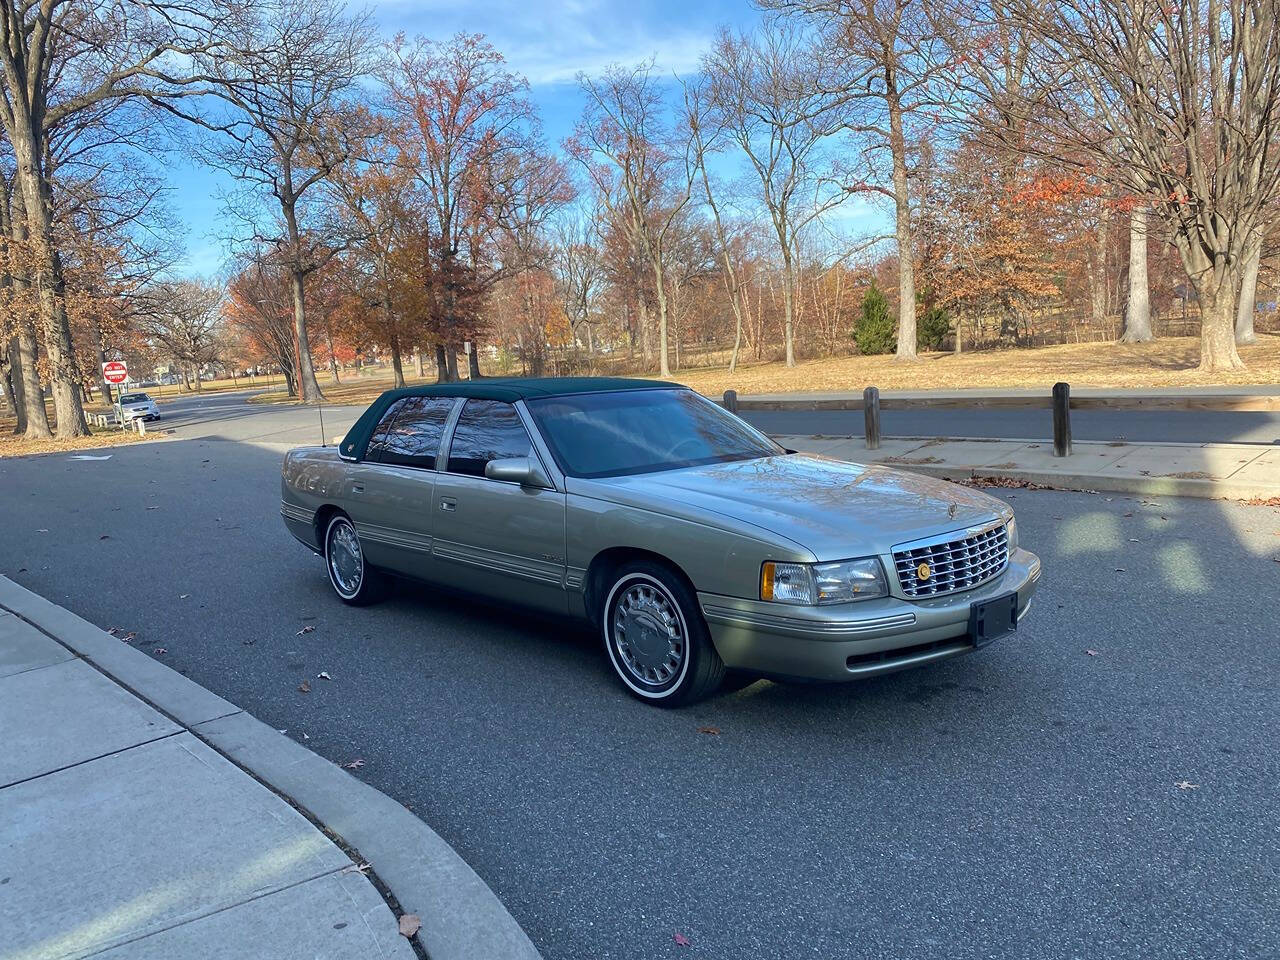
{"points": [[185, 318], [580, 273], [1137, 310], [58, 62], [643, 171], [1179, 99], [889, 61], [289, 71], [770, 100]]}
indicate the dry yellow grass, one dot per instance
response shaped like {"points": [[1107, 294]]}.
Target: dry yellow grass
{"points": [[15, 446], [1170, 362]]}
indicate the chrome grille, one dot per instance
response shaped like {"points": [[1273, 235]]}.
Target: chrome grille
{"points": [[954, 564]]}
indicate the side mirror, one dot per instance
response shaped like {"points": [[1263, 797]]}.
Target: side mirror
{"points": [[522, 470]]}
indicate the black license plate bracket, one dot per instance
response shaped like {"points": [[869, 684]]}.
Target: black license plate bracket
{"points": [[992, 619]]}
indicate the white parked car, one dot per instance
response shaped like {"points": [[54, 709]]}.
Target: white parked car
{"points": [[136, 406]]}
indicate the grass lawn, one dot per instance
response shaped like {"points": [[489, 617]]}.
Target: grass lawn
{"points": [[1169, 362], [15, 446]]}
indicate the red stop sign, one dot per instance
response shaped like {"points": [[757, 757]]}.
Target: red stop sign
{"points": [[115, 371]]}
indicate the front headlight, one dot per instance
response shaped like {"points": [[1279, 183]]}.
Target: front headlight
{"points": [[823, 583]]}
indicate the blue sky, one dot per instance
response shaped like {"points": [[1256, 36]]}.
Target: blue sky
{"points": [[548, 41]]}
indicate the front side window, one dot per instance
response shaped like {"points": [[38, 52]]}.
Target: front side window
{"points": [[487, 430], [642, 431], [414, 439]]}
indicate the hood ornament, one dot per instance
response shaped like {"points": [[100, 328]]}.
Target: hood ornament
{"points": [[951, 510]]}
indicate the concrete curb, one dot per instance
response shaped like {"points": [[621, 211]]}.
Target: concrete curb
{"points": [[462, 919], [1066, 480]]}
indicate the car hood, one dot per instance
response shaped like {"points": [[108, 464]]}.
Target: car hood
{"points": [[833, 508]]}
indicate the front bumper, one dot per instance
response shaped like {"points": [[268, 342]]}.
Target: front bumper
{"points": [[848, 641]]}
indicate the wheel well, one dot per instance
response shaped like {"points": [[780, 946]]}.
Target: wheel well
{"points": [[604, 563], [323, 516]]}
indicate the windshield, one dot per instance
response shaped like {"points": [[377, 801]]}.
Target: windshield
{"points": [[641, 431], [134, 398]]}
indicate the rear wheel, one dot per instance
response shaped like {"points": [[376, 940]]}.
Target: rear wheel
{"points": [[352, 579], [656, 639]]}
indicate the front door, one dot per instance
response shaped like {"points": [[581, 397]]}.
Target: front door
{"points": [[498, 538]]}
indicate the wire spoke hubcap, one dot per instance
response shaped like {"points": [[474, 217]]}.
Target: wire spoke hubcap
{"points": [[648, 635], [346, 563]]}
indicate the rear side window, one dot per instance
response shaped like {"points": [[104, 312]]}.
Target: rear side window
{"points": [[413, 440], [487, 430], [378, 439]]}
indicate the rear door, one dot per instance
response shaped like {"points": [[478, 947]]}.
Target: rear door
{"points": [[498, 538], [392, 495]]}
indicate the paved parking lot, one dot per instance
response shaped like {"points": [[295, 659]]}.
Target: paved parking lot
{"points": [[1102, 785]]}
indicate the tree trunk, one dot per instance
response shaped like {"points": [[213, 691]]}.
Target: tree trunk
{"points": [[788, 308], [17, 381], [397, 364], [195, 375], [1246, 303], [46, 268], [37, 416], [1137, 314], [302, 346], [473, 362], [451, 361], [417, 365], [664, 365], [7, 378], [1217, 324], [1098, 273], [906, 247], [642, 318], [442, 365]]}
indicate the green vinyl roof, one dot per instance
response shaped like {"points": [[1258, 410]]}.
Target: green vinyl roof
{"points": [[509, 389]]}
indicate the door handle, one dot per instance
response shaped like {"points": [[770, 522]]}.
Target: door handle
{"points": [[448, 503], [357, 488]]}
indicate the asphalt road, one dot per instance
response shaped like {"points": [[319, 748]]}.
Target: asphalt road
{"points": [[1022, 802]]}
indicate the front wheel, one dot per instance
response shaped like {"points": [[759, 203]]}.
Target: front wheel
{"points": [[352, 579], [656, 638]]}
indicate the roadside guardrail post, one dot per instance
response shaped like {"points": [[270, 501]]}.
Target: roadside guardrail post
{"points": [[731, 401], [871, 416], [1061, 419]]}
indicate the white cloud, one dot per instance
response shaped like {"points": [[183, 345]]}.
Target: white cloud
{"points": [[551, 41]]}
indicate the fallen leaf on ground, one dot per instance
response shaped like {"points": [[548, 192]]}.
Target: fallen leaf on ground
{"points": [[105, 536], [129, 637], [248, 641], [1187, 785], [159, 650], [409, 924], [360, 868], [323, 675], [1092, 653], [1134, 540], [1119, 569], [304, 686], [183, 596], [680, 939], [309, 628], [355, 764], [713, 731]]}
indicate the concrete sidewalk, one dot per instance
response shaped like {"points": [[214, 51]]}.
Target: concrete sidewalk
{"points": [[143, 817], [124, 835], [1230, 471]]}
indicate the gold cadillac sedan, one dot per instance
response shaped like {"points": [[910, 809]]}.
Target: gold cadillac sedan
{"points": [[695, 544]]}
